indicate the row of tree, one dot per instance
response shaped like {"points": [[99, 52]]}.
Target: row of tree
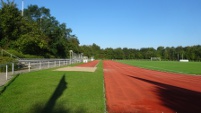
{"points": [[37, 32], [192, 53]]}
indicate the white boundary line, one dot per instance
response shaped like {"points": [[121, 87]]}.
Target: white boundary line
{"points": [[164, 70], [97, 63], [104, 96]]}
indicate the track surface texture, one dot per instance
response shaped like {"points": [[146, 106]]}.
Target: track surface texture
{"points": [[131, 89], [89, 64]]}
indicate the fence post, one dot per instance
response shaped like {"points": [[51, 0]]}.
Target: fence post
{"points": [[12, 68], [6, 72], [59, 63], [29, 66], [40, 65], [55, 63], [48, 64]]}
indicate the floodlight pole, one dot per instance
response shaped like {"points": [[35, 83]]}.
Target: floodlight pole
{"points": [[71, 56], [81, 57], [22, 7]]}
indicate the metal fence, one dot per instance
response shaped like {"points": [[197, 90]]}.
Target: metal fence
{"points": [[8, 70]]}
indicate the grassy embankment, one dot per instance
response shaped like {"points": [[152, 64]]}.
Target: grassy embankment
{"points": [[169, 66], [55, 92]]}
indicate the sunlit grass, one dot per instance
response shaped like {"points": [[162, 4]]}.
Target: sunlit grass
{"points": [[56, 92], [169, 66]]}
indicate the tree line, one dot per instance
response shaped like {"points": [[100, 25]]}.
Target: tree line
{"points": [[37, 32], [192, 53]]}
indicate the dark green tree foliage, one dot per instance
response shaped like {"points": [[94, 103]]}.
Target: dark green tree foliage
{"points": [[32, 40], [91, 50], [35, 33], [10, 22], [96, 50], [74, 44], [109, 53], [192, 53], [86, 50], [148, 52], [59, 38], [34, 13]]}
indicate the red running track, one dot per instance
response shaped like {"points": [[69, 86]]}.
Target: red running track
{"points": [[89, 64], [131, 89]]}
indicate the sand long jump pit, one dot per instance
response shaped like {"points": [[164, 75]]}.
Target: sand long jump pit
{"points": [[86, 67], [82, 69]]}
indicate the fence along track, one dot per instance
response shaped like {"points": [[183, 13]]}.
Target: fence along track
{"points": [[8, 70]]}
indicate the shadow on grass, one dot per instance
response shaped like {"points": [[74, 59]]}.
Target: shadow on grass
{"points": [[51, 107], [178, 99], [57, 93], [8, 84]]}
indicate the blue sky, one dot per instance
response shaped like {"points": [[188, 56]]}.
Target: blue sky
{"points": [[128, 23]]}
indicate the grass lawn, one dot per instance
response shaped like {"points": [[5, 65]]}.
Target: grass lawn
{"points": [[50, 91], [169, 66]]}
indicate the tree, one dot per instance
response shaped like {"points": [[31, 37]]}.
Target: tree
{"points": [[86, 50], [160, 52], [91, 50], [118, 53], [134, 53], [32, 41], [148, 52], [10, 22], [180, 52], [126, 54], [197, 49], [96, 50], [109, 53], [34, 13], [73, 44], [58, 36]]}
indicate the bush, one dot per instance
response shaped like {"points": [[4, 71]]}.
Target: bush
{"points": [[21, 55], [4, 60]]}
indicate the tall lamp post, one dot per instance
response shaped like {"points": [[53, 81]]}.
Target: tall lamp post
{"points": [[71, 55], [22, 7], [81, 57]]}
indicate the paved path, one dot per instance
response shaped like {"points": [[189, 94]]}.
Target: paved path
{"points": [[3, 78]]}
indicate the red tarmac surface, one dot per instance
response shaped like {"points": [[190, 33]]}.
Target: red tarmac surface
{"points": [[89, 64], [131, 89]]}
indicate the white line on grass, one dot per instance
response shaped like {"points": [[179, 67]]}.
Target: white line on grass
{"points": [[163, 69]]}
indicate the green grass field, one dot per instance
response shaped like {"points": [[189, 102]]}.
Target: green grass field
{"points": [[169, 66], [49, 91]]}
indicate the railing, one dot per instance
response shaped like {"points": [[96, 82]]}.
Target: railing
{"points": [[6, 52], [27, 65]]}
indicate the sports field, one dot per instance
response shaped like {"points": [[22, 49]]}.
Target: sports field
{"points": [[132, 89], [168, 66], [50, 91], [127, 88]]}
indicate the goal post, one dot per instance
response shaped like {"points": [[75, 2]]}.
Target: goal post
{"points": [[155, 58]]}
